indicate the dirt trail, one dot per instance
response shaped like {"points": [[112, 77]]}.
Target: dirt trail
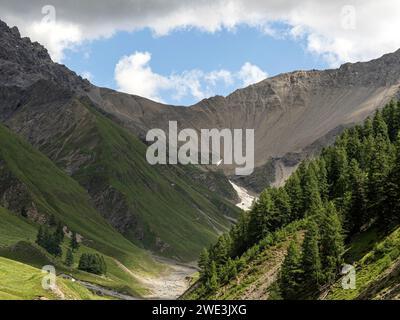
{"points": [[170, 284]]}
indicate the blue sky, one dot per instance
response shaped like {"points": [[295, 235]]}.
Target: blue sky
{"points": [[185, 50]]}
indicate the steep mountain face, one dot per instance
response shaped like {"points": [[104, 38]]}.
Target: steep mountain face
{"points": [[166, 209], [293, 114]]}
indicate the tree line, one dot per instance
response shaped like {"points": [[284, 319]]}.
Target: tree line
{"points": [[353, 185], [51, 236]]}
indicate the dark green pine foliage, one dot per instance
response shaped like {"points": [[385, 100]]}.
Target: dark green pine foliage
{"points": [[74, 244], [49, 241], [332, 246], [311, 261], [204, 263], [391, 204], [260, 217], [60, 232], [311, 195], [295, 193], [291, 273], [93, 263], [213, 281], [353, 185], [69, 259], [359, 199]]}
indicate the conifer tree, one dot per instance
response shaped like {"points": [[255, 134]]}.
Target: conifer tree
{"points": [[52, 220], [338, 173], [379, 125], [213, 281], [311, 196], [282, 212], [311, 262], [391, 201], [74, 241], [291, 273], [69, 259], [221, 250], [331, 242], [322, 176], [60, 232], [204, 263], [368, 129], [295, 193], [378, 171], [40, 238], [260, 217], [357, 214]]}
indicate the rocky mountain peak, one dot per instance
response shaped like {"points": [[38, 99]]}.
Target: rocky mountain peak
{"points": [[23, 63]]}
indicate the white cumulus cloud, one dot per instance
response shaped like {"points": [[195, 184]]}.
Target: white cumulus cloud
{"points": [[134, 75], [250, 74], [338, 31]]}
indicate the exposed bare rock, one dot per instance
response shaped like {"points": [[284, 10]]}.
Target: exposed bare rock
{"points": [[290, 113]]}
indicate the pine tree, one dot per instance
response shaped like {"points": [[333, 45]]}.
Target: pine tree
{"points": [[221, 250], [240, 235], [69, 259], [52, 220], [368, 129], [84, 262], [379, 126], [378, 172], [260, 216], [291, 273], [391, 118], [74, 241], [311, 262], [40, 237], [213, 282], [204, 263], [311, 196], [322, 176], [357, 214], [332, 243], [391, 200], [338, 173], [60, 232], [295, 193], [282, 211]]}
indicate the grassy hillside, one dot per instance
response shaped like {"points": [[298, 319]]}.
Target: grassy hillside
{"points": [[17, 239], [14, 229], [377, 263], [257, 270], [19, 281], [53, 192], [168, 212]]}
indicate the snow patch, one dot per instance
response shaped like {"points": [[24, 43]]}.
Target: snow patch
{"points": [[246, 200]]}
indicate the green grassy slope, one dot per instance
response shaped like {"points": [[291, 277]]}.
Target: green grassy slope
{"points": [[53, 192], [171, 208], [258, 269], [14, 229], [377, 263], [19, 281], [375, 256]]}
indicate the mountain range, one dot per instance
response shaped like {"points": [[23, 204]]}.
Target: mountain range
{"points": [[76, 151]]}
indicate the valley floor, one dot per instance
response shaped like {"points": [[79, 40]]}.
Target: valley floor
{"points": [[172, 283]]}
